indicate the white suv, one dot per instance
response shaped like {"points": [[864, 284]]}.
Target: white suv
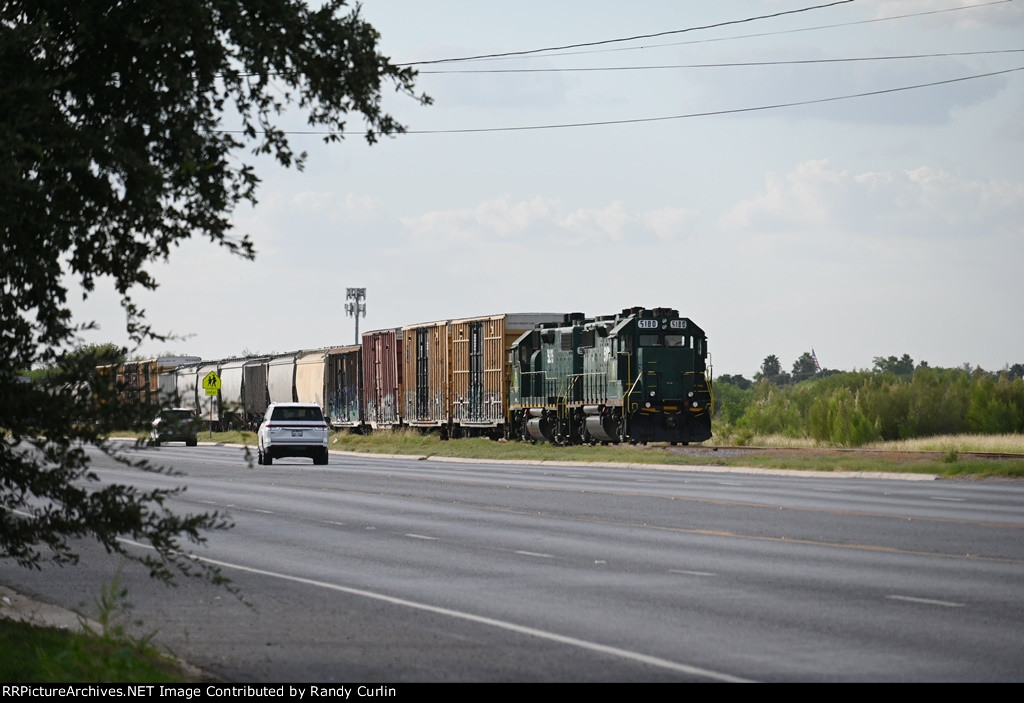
{"points": [[292, 429]]}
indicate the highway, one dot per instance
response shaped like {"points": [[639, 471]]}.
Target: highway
{"points": [[395, 570]]}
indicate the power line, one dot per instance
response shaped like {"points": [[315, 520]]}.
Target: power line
{"points": [[601, 42], [733, 64], [734, 111], [853, 23], [640, 120]]}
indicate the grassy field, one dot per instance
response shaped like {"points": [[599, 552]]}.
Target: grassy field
{"points": [[945, 456]]}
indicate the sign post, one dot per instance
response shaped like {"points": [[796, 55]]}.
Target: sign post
{"points": [[211, 383]]}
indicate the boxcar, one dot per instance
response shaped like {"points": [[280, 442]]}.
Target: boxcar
{"points": [[479, 369], [382, 378], [425, 354], [345, 387]]}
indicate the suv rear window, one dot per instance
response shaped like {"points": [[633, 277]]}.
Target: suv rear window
{"points": [[307, 414], [176, 414]]}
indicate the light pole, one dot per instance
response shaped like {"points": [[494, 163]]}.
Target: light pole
{"points": [[355, 307]]}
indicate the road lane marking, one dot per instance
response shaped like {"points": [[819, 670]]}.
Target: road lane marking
{"points": [[954, 500], [690, 573], [597, 647], [928, 601], [534, 554], [416, 536]]}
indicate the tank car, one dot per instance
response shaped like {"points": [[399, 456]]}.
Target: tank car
{"points": [[639, 376]]}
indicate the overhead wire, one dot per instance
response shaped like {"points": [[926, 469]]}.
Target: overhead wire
{"points": [[757, 108], [733, 111], [730, 64], [601, 42], [562, 51], [665, 118]]}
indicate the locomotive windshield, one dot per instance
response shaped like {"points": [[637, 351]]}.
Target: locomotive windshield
{"points": [[657, 340]]}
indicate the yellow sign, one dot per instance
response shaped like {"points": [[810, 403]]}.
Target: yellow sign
{"points": [[211, 382]]}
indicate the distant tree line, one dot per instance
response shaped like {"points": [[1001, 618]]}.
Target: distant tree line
{"points": [[894, 400]]}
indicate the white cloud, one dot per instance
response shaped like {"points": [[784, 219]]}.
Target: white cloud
{"points": [[499, 218], [923, 202], [546, 219]]}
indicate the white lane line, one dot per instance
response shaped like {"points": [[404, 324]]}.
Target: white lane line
{"points": [[416, 536], [690, 573], [332, 522], [259, 510], [728, 483], [928, 601], [484, 620], [954, 500], [534, 554]]}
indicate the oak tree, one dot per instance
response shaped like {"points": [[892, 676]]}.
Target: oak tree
{"points": [[126, 127]]}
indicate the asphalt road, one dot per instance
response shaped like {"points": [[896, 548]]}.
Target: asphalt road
{"points": [[397, 570]]}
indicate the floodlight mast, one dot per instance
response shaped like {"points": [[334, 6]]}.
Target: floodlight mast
{"points": [[356, 306]]}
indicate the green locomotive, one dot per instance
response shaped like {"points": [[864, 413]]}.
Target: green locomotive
{"points": [[639, 376]]}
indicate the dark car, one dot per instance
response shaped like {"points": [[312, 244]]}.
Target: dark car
{"points": [[175, 425]]}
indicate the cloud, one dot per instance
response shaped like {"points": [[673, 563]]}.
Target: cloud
{"points": [[547, 220], [497, 219], [923, 202]]}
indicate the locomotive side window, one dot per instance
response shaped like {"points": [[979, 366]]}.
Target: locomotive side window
{"points": [[587, 339], [650, 340], [674, 340]]}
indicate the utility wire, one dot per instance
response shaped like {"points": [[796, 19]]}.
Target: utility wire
{"points": [[640, 120], [601, 42], [734, 64], [537, 52]]}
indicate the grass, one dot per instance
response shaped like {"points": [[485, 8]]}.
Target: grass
{"points": [[949, 455], [948, 460], [101, 652], [36, 654]]}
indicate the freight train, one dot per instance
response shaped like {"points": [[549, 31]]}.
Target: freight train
{"points": [[637, 376]]}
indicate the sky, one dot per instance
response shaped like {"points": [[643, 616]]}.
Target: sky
{"points": [[881, 225]]}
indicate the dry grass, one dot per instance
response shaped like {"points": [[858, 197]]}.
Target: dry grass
{"points": [[1001, 444]]}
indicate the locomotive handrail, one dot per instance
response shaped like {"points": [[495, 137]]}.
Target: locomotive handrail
{"points": [[711, 394], [625, 405]]}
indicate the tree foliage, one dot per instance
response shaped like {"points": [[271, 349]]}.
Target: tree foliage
{"points": [[804, 367], [125, 126], [902, 367], [858, 407]]}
